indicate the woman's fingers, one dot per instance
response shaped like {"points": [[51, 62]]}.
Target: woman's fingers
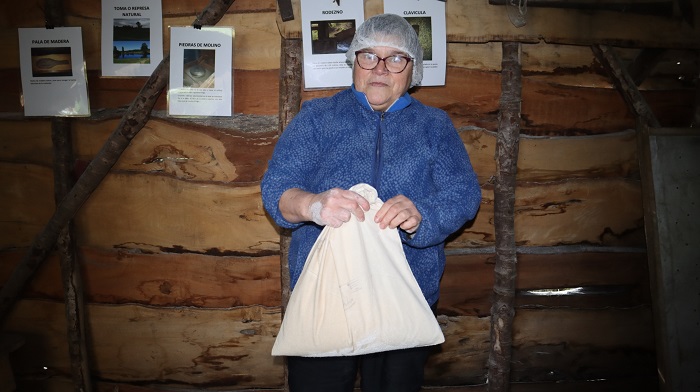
{"points": [[399, 211], [335, 207]]}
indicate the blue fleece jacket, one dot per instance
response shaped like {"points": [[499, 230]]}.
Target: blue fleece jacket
{"points": [[410, 149]]}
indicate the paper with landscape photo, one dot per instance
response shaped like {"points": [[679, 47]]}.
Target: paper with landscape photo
{"points": [[132, 37]]}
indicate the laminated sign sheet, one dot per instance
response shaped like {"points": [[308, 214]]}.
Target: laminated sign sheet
{"points": [[428, 19], [54, 82], [327, 29], [132, 37], [356, 294], [201, 80]]}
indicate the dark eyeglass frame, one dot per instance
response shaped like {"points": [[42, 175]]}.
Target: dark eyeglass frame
{"points": [[379, 59]]}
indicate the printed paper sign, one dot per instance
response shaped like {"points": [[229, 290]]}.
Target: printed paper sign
{"points": [[53, 72], [132, 37], [428, 19], [200, 71], [327, 31]]}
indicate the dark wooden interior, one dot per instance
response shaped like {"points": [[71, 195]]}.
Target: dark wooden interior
{"points": [[177, 266]]}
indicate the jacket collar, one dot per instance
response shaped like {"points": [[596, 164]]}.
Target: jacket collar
{"points": [[399, 104]]}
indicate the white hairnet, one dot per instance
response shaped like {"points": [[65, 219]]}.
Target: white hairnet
{"points": [[393, 31]]}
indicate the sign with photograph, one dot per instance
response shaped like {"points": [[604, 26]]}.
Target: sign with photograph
{"points": [[53, 72], [428, 19], [132, 37], [327, 29], [201, 82]]}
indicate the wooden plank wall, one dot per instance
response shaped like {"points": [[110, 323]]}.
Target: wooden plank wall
{"points": [[181, 263]]}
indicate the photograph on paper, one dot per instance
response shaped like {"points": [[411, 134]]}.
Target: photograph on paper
{"points": [[201, 71], [132, 41], [198, 68], [424, 30], [131, 38], [331, 36], [51, 62]]}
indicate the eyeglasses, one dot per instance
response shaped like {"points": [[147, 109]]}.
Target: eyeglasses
{"points": [[395, 63]]}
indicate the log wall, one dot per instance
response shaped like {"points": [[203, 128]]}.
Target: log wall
{"points": [[181, 263]]}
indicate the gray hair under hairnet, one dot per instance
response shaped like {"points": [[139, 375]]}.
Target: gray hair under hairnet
{"points": [[393, 31]]}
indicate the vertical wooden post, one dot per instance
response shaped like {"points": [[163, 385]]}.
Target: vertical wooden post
{"points": [[76, 313], [289, 104], [695, 122], [505, 271]]}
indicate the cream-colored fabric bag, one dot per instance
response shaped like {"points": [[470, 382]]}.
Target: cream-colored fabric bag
{"points": [[356, 294]]}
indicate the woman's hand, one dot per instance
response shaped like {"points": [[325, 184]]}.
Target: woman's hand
{"points": [[335, 206], [330, 208], [399, 211]]}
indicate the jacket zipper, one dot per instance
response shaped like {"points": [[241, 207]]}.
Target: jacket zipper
{"points": [[378, 153]]}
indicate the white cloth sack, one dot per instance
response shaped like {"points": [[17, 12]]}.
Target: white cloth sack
{"points": [[356, 294]]}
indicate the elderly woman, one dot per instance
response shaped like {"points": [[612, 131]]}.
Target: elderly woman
{"points": [[375, 133]]}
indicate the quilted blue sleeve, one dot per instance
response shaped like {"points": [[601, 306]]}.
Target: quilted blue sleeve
{"points": [[455, 195]]}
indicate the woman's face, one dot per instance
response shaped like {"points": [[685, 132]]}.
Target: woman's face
{"points": [[382, 87]]}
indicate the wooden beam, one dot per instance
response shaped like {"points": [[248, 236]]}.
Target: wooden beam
{"points": [[289, 104], [649, 7], [133, 121], [285, 10], [625, 84], [505, 270], [643, 65], [685, 8], [480, 22], [66, 246], [696, 112], [61, 136]]}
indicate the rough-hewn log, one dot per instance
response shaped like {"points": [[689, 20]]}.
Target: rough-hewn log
{"points": [[606, 277], [637, 384], [229, 348], [61, 136], [290, 102], [650, 7], [243, 145], [222, 151], [696, 111], [596, 211], [478, 21], [625, 85], [153, 213], [285, 10], [555, 102], [132, 122], [505, 270], [187, 347], [70, 266], [603, 279]]}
